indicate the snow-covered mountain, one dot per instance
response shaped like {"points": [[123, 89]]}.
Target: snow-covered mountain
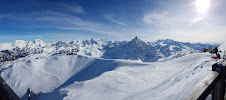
{"points": [[103, 69], [135, 49], [151, 52]]}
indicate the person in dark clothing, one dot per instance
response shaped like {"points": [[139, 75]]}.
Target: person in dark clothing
{"points": [[29, 93], [216, 50], [218, 56]]}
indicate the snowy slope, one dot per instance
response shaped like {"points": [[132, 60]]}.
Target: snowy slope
{"points": [[172, 80], [74, 77], [222, 47], [42, 74]]}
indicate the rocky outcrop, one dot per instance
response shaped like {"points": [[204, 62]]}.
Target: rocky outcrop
{"points": [[7, 55]]}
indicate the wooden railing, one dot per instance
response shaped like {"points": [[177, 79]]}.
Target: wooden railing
{"points": [[213, 83]]}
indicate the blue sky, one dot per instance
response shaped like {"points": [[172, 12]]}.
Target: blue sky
{"points": [[150, 20]]}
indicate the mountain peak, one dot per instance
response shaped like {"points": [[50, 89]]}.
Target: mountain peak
{"points": [[136, 40], [39, 42], [19, 43], [136, 43], [136, 37], [165, 41]]}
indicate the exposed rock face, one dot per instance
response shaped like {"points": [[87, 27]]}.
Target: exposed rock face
{"points": [[7, 55]]}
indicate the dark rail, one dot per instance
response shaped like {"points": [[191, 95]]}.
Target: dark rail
{"points": [[214, 82], [6, 93]]}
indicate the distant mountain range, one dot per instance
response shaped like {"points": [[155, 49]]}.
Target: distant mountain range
{"points": [[135, 49]]}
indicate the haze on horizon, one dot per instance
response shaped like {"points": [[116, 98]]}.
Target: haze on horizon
{"points": [[54, 20]]}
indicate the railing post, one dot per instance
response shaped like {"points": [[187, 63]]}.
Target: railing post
{"points": [[219, 89], [6, 93]]}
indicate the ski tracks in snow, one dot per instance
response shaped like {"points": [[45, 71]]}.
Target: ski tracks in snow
{"points": [[58, 77]]}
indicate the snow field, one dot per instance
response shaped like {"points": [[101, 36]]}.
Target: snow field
{"points": [[126, 80]]}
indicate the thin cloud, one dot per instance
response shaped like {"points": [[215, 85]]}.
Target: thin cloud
{"points": [[154, 17], [183, 25], [1, 16], [111, 19], [75, 8], [4, 16], [56, 17], [88, 29], [64, 21]]}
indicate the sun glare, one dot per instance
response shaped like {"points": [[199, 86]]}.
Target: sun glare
{"points": [[202, 5]]}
